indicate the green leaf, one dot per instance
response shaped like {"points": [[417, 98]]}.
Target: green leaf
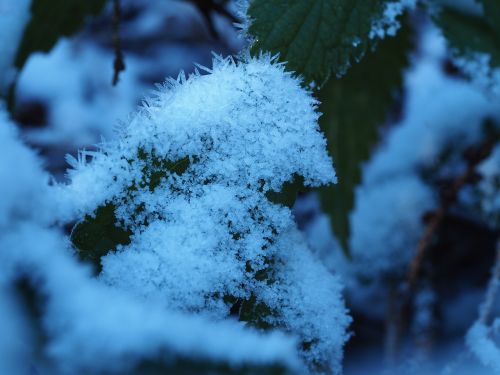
{"points": [[315, 38], [354, 107], [96, 235], [50, 20], [492, 14], [289, 191], [469, 34], [256, 313]]}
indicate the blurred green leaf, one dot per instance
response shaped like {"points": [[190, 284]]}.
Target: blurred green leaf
{"points": [[492, 14], [315, 38], [354, 107], [469, 34]]}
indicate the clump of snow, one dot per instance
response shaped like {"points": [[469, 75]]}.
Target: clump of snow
{"points": [[190, 174], [89, 327], [389, 24], [387, 223], [21, 187], [14, 15], [480, 341]]}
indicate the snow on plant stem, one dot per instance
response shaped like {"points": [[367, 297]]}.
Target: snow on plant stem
{"points": [[188, 197]]}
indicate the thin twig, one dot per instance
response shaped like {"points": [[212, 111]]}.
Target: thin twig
{"points": [[119, 64]]}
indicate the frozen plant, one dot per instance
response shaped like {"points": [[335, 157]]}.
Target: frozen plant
{"points": [[88, 327], [182, 208], [398, 182]]}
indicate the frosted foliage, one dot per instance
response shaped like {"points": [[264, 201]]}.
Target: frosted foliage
{"points": [[14, 14], [420, 139], [489, 186], [386, 222], [88, 326], [388, 24], [205, 233]]}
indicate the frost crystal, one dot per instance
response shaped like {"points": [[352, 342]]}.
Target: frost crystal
{"points": [[192, 182]]}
